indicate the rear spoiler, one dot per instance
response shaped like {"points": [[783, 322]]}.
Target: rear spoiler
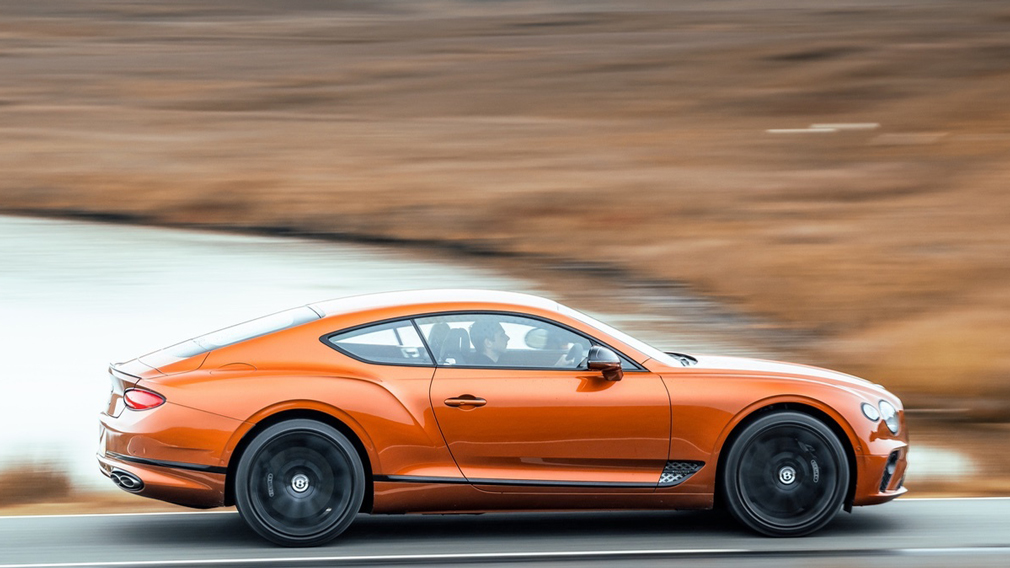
{"points": [[133, 369]]}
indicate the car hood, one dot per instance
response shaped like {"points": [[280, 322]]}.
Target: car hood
{"points": [[778, 368]]}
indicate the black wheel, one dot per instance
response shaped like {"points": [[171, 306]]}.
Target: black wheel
{"points": [[299, 483], [786, 475]]}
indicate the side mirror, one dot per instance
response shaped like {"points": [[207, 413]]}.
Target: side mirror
{"points": [[606, 361]]}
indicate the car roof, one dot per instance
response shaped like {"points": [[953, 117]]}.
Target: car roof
{"points": [[408, 298]]}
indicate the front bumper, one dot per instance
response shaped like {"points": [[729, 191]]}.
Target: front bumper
{"points": [[882, 477]]}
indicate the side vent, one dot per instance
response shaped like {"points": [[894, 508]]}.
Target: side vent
{"points": [[892, 464], [677, 472]]}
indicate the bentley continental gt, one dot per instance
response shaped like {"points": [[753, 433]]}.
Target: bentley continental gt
{"points": [[464, 401]]}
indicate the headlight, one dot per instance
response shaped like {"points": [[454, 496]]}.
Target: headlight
{"points": [[871, 412], [890, 416]]}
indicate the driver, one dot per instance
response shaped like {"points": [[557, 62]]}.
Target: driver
{"points": [[490, 341]]}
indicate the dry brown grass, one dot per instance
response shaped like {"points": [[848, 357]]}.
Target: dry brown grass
{"points": [[41, 488], [631, 133], [28, 483]]}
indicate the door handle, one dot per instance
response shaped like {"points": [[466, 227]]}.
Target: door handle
{"points": [[465, 400]]}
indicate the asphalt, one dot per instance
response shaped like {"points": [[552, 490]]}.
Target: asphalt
{"points": [[908, 532]]}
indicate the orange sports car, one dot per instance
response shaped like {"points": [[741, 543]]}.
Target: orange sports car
{"points": [[472, 401]]}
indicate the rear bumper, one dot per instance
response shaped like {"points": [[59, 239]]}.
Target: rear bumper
{"points": [[176, 452], [200, 489]]}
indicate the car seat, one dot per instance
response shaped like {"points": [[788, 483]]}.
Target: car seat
{"points": [[456, 348], [436, 337]]}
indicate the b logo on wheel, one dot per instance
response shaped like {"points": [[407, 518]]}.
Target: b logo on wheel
{"points": [[300, 483]]}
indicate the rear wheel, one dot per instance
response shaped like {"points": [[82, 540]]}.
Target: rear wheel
{"points": [[299, 483], [786, 475]]}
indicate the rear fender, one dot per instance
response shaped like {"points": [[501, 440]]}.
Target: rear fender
{"points": [[392, 419], [303, 405]]}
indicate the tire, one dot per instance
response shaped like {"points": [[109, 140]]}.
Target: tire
{"points": [[299, 483], [785, 475]]}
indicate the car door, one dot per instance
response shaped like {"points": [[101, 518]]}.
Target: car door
{"points": [[536, 416]]}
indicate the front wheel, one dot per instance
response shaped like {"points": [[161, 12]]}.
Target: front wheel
{"points": [[786, 475], [299, 483]]}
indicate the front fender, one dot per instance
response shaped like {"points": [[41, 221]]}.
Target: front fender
{"points": [[708, 407]]}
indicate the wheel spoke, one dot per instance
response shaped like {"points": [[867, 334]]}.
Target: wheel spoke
{"points": [[300, 509]]}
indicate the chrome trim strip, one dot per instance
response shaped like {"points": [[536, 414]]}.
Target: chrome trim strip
{"points": [[512, 482]]}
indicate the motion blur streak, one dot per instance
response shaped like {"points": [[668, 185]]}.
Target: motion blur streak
{"points": [[913, 533], [631, 133], [638, 140]]}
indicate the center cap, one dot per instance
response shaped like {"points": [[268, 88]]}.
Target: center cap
{"points": [[300, 483], [787, 475]]}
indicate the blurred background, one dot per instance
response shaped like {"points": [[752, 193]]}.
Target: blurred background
{"points": [[824, 182]]}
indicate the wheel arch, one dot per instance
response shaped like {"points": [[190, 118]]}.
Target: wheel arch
{"points": [[286, 414], [826, 415]]}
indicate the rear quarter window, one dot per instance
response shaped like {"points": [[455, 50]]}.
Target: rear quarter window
{"points": [[230, 335], [393, 343]]}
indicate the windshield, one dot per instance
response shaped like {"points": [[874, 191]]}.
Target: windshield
{"points": [[619, 335]]}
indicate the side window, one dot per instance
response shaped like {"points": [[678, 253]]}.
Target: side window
{"points": [[503, 340], [394, 343]]}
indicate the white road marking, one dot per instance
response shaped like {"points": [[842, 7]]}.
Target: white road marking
{"points": [[954, 550], [393, 557], [903, 499], [150, 514], [573, 554]]}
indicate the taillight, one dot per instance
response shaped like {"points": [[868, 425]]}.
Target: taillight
{"points": [[140, 399]]}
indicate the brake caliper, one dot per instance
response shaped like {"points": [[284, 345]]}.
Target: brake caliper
{"points": [[812, 454]]}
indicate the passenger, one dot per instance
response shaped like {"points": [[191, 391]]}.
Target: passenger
{"points": [[490, 341]]}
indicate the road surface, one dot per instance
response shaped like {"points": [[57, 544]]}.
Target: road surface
{"points": [[916, 533]]}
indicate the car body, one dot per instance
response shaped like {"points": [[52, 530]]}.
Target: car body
{"points": [[389, 403]]}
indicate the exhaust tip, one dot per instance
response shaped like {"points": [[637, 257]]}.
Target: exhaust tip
{"points": [[127, 481]]}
